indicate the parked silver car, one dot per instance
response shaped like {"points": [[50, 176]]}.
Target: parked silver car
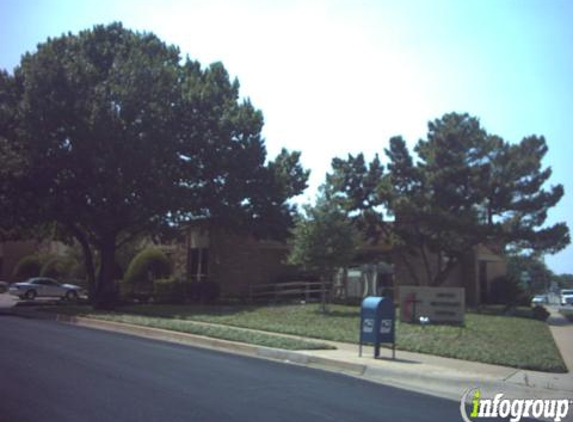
{"points": [[44, 287]]}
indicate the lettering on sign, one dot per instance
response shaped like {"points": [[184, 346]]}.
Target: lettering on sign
{"points": [[368, 326], [439, 304], [385, 326]]}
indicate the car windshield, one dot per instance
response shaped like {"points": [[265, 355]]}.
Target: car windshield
{"points": [[567, 292]]}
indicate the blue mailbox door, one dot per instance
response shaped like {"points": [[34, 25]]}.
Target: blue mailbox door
{"points": [[377, 323]]}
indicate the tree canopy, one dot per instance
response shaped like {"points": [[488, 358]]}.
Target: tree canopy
{"points": [[110, 133], [323, 239], [463, 187]]}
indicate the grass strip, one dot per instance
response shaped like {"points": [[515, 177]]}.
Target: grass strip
{"points": [[503, 340], [213, 331]]}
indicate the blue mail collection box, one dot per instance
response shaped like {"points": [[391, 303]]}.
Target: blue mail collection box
{"points": [[377, 323]]}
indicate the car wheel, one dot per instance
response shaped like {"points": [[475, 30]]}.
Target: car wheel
{"points": [[71, 295], [30, 295]]}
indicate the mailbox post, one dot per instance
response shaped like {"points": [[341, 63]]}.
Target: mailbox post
{"points": [[377, 323]]}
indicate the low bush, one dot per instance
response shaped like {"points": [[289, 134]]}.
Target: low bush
{"points": [[149, 264], [169, 291], [540, 313], [28, 266], [129, 292], [202, 291]]}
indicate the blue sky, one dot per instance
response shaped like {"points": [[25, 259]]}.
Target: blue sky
{"points": [[339, 77]]}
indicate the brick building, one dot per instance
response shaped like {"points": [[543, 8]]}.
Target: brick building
{"points": [[208, 252]]}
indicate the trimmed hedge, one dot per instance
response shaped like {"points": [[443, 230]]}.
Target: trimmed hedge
{"points": [[202, 291], [169, 291], [149, 264], [28, 266], [130, 291], [177, 292]]}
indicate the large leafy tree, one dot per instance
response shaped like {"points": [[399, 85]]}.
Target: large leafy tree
{"points": [[463, 188], [110, 134], [324, 240]]}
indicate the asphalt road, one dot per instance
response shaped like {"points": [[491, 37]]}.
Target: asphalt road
{"points": [[54, 372]]}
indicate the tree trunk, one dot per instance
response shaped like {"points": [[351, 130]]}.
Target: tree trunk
{"points": [[88, 260], [323, 308], [443, 275], [405, 257], [106, 294], [429, 276]]}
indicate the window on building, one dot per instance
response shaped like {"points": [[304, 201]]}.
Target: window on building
{"points": [[198, 264]]}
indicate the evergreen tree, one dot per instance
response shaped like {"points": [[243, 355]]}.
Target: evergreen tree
{"points": [[466, 188]]}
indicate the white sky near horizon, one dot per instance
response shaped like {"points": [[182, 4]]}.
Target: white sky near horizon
{"points": [[338, 77]]}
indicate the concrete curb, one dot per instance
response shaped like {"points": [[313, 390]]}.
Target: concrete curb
{"points": [[288, 356]]}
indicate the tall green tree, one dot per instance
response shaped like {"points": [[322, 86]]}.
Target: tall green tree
{"points": [[110, 134], [324, 240], [462, 188]]}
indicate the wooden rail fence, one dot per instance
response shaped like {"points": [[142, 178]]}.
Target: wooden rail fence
{"points": [[306, 290]]}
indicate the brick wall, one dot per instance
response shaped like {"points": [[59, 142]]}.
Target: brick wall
{"points": [[235, 261]]}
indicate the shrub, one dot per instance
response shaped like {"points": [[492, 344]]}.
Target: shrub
{"points": [[149, 264], [202, 291], [130, 291], [125, 290], [28, 266], [506, 291], [540, 313], [57, 267], [169, 291]]}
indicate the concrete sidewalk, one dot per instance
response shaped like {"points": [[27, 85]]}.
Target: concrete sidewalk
{"points": [[449, 378], [562, 330]]}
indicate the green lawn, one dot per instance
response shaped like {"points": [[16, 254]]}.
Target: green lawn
{"points": [[511, 341], [224, 333]]}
